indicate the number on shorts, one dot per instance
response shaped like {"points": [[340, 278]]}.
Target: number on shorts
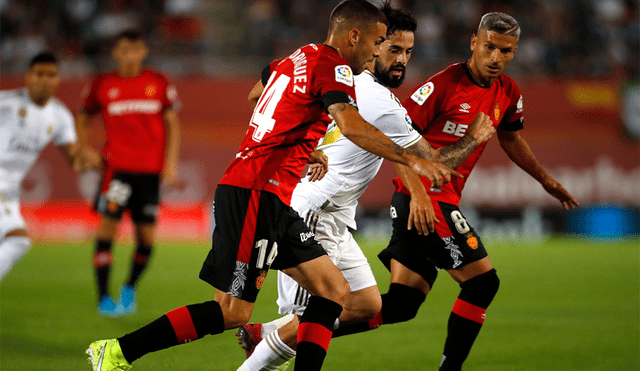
{"points": [[262, 116], [262, 251], [460, 222]]}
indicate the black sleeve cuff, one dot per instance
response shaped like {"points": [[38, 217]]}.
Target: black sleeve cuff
{"points": [[337, 96], [512, 126], [266, 72]]}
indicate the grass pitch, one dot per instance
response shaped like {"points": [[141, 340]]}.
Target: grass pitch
{"points": [[566, 304]]}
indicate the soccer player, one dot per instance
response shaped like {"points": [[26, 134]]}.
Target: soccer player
{"points": [[256, 229], [442, 109], [138, 108], [29, 119], [328, 206]]}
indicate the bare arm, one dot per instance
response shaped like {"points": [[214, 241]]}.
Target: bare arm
{"points": [[369, 138], [70, 151], [85, 156], [519, 152], [172, 125], [255, 93]]}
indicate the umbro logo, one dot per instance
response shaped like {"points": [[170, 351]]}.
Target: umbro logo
{"points": [[464, 107]]}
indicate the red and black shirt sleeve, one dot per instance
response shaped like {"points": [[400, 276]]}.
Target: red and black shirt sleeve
{"points": [[513, 119]]}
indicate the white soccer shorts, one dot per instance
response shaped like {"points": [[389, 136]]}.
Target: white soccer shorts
{"points": [[344, 252], [10, 217]]}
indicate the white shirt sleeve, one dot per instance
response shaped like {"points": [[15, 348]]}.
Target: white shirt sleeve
{"points": [[396, 124], [65, 130]]}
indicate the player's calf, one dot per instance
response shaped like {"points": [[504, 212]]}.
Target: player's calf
{"points": [[466, 319]]}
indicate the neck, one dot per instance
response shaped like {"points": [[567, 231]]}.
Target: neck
{"points": [[129, 72], [39, 101], [334, 42], [473, 69]]}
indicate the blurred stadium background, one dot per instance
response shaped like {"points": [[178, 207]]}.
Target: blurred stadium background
{"points": [[576, 65]]}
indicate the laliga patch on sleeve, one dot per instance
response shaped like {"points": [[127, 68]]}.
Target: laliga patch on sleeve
{"points": [[344, 75], [519, 106], [420, 96]]}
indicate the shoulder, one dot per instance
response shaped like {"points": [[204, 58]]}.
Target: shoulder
{"points": [[373, 96], [157, 75], [62, 112], [509, 85], [6, 95]]}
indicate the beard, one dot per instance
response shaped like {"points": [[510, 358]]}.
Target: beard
{"points": [[384, 75]]}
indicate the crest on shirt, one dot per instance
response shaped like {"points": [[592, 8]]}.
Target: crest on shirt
{"points": [[113, 93], [150, 90], [49, 129], [420, 96], [22, 113], [496, 112], [344, 75]]}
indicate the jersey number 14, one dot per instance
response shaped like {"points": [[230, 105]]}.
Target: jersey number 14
{"points": [[262, 119]]}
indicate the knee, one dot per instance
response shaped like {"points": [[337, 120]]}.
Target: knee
{"points": [[482, 289], [401, 303], [372, 307]]}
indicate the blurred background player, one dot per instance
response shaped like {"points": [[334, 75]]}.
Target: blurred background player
{"points": [[256, 229], [442, 110], [29, 119], [138, 108], [328, 206]]}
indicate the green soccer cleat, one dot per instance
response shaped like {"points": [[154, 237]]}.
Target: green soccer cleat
{"points": [[106, 355], [287, 366]]}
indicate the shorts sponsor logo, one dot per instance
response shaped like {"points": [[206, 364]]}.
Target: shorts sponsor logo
{"points": [[456, 254], [420, 96], [472, 241], [260, 279], [306, 235], [344, 75]]}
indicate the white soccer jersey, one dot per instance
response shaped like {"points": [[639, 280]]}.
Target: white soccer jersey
{"points": [[351, 168], [25, 129]]}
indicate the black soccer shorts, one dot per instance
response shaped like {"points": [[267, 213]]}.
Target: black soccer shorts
{"points": [[254, 232], [140, 193], [454, 243]]}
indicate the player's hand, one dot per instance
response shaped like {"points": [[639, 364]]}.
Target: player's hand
{"points": [[421, 214], [437, 173], [318, 166], [87, 158], [169, 177], [481, 129], [557, 190]]}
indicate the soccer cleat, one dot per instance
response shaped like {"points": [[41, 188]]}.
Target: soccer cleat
{"points": [[106, 355], [287, 366], [249, 336], [128, 299], [107, 307]]}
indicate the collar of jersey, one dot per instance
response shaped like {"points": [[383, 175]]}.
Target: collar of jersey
{"points": [[374, 77]]}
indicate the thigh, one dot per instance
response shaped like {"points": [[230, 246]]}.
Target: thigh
{"points": [[145, 195], [292, 298], [113, 194], [10, 217]]}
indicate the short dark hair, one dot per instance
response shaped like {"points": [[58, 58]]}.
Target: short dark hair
{"points": [[501, 23], [358, 12], [43, 58], [399, 20], [131, 35]]}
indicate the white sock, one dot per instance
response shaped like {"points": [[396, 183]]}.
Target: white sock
{"points": [[270, 327], [269, 354], [11, 250]]}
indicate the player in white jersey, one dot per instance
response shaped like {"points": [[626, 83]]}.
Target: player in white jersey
{"points": [[29, 119], [328, 205]]}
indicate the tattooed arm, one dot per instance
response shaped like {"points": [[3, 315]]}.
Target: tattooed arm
{"points": [[369, 138]]}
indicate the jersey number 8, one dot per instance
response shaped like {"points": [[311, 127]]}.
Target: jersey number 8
{"points": [[460, 222]]}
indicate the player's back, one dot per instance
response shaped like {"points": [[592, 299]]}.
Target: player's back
{"points": [[289, 119]]}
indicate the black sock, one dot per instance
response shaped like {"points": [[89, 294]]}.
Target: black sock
{"points": [[178, 326], [314, 333], [467, 317], [102, 261], [400, 304], [139, 263]]}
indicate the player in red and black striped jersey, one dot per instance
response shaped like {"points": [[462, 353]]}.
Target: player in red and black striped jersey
{"points": [[442, 110], [138, 107], [256, 229]]}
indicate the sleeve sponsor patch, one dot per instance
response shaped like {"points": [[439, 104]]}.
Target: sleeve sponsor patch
{"points": [[420, 96], [519, 105], [344, 75]]}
